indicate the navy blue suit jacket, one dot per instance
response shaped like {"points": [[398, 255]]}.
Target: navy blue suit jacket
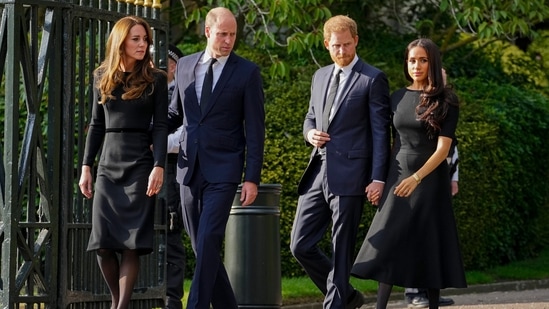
{"points": [[359, 146], [230, 132]]}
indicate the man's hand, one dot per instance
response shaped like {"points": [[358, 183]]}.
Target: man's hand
{"points": [[248, 193], [317, 138], [374, 191]]}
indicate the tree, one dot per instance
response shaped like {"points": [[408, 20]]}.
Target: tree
{"points": [[284, 28], [270, 25], [495, 19]]}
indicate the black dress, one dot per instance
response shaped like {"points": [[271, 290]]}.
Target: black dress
{"points": [[123, 215], [413, 242]]}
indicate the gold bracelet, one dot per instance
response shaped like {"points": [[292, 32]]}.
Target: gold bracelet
{"points": [[416, 177]]}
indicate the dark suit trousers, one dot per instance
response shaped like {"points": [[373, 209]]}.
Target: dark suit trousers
{"points": [[175, 252], [316, 210], [206, 209]]}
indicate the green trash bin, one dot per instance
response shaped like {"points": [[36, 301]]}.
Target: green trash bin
{"points": [[252, 249]]}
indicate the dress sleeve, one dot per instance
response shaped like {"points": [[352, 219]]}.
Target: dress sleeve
{"points": [[160, 122], [96, 131]]}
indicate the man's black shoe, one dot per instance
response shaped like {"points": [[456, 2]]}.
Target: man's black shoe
{"points": [[445, 301], [356, 302]]}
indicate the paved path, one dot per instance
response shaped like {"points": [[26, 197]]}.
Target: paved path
{"points": [[533, 294], [538, 299]]}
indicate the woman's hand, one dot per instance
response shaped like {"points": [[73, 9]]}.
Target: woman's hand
{"points": [[85, 184], [406, 187], [156, 178]]}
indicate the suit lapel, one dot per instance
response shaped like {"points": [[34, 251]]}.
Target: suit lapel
{"points": [[187, 81], [225, 76], [351, 80], [324, 85]]}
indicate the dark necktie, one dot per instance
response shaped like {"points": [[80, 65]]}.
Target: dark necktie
{"points": [[330, 101], [207, 86]]}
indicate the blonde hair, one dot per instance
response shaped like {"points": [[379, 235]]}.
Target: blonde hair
{"points": [[339, 23], [108, 75]]}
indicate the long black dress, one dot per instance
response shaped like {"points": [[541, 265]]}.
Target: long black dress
{"points": [[123, 215], [413, 242]]}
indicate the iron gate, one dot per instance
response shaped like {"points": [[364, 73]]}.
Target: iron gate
{"points": [[48, 51]]}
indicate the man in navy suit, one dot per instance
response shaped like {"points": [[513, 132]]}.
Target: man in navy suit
{"points": [[223, 131], [348, 127]]}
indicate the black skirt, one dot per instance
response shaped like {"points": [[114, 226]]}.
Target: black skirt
{"points": [[123, 215]]}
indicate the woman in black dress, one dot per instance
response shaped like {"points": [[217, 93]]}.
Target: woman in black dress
{"points": [[412, 240], [128, 95]]}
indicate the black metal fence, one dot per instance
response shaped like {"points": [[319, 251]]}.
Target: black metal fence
{"points": [[48, 51]]}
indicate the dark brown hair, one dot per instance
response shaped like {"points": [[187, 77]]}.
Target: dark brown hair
{"points": [[436, 97]]}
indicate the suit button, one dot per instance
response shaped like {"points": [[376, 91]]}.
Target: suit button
{"points": [[196, 141]]}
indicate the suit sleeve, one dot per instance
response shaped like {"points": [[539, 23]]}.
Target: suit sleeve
{"points": [[254, 122], [310, 117], [380, 113], [175, 108]]}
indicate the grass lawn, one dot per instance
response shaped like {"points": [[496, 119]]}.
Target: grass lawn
{"points": [[302, 289]]}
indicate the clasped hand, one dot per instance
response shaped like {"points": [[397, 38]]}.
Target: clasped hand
{"points": [[373, 192], [317, 138]]}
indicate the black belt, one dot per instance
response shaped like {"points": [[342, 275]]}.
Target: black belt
{"points": [[126, 130], [173, 157]]}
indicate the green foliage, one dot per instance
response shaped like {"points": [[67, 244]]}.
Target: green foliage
{"points": [[499, 218], [285, 153], [540, 53], [296, 26], [501, 206], [494, 18], [502, 179], [518, 65]]}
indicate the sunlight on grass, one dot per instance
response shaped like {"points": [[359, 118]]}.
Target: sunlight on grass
{"points": [[537, 268], [299, 287], [478, 277]]}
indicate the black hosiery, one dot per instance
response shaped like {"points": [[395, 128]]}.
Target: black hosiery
{"points": [[434, 297], [383, 293]]}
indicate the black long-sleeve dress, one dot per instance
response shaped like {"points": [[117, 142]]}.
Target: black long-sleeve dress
{"points": [[123, 215], [413, 241]]}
